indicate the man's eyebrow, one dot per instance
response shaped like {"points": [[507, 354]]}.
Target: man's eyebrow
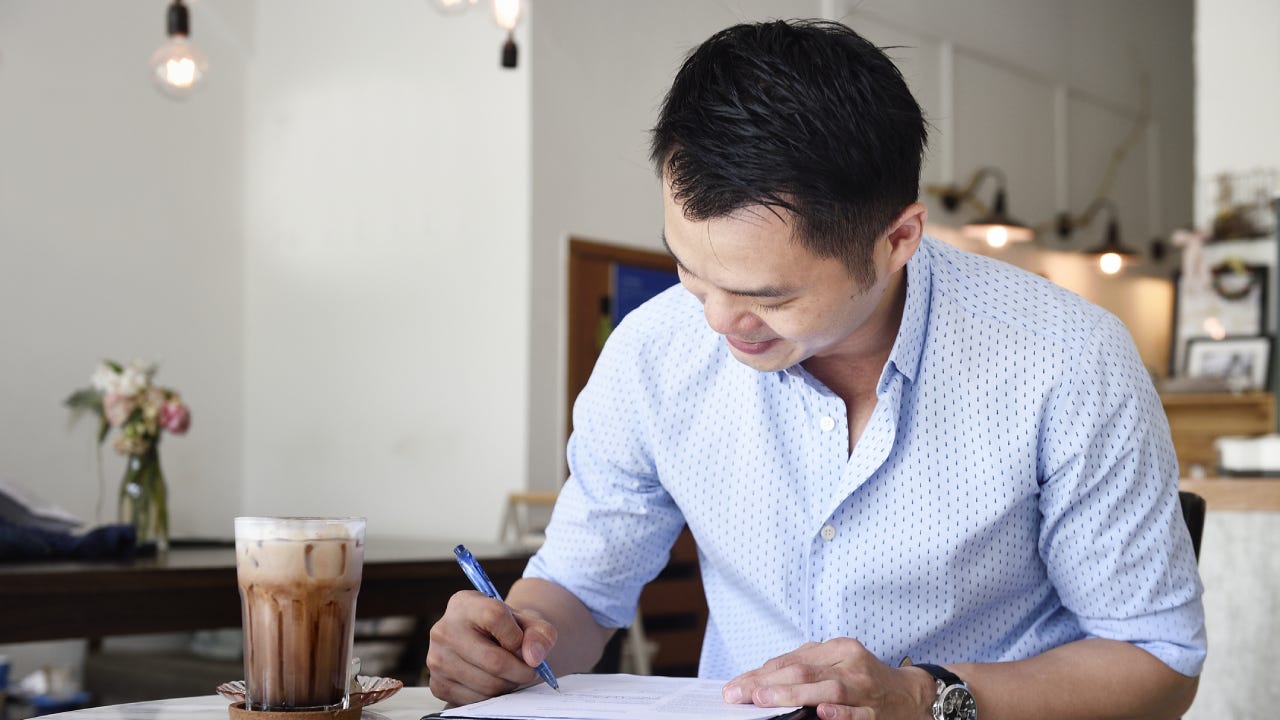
{"points": [[672, 253], [768, 291]]}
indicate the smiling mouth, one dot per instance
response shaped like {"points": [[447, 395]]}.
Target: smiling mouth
{"points": [[751, 348]]}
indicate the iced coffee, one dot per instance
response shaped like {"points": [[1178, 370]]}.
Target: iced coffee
{"points": [[298, 580]]}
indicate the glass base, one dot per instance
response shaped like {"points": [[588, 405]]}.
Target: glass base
{"points": [[239, 712]]}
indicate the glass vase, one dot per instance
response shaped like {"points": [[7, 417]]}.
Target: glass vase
{"points": [[144, 502]]}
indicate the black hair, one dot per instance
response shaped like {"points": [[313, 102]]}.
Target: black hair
{"points": [[802, 115]]}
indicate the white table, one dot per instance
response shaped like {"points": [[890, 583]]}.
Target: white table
{"points": [[411, 703]]}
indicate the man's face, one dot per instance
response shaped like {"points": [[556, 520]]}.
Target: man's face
{"points": [[775, 302]]}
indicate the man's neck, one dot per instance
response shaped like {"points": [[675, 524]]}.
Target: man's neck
{"points": [[852, 369]]}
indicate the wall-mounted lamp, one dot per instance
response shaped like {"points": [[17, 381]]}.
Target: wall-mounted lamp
{"points": [[995, 226], [1112, 253], [178, 66]]}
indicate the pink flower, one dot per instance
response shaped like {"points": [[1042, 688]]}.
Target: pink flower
{"points": [[175, 417], [117, 407]]}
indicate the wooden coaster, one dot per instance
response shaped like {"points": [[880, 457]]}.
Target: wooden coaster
{"points": [[239, 712]]}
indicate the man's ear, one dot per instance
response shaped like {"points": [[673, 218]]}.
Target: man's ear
{"points": [[904, 234]]}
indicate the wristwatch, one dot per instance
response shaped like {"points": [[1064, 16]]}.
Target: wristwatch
{"points": [[954, 701]]}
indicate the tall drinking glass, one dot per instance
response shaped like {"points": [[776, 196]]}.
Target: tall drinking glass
{"points": [[298, 579]]}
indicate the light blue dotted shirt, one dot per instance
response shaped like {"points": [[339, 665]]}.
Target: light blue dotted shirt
{"points": [[1015, 488]]}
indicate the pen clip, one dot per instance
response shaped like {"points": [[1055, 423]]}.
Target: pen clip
{"points": [[475, 573]]}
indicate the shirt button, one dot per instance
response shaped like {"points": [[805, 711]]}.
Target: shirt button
{"points": [[827, 424], [828, 531]]}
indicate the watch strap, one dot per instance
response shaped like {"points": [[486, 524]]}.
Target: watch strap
{"points": [[940, 673]]}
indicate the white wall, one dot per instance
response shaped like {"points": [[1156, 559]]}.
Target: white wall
{"points": [[121, 225], [387, 256], [1009, 59], [121, 228], [1237, 111], [326, 250]]}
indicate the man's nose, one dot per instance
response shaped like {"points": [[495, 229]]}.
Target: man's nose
{"points": [[726, 315]]}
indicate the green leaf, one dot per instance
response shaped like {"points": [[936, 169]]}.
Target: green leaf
{"points": [[85, 399], [89, 400]]}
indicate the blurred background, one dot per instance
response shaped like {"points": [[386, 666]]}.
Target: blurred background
{"points": [[347, 249]]}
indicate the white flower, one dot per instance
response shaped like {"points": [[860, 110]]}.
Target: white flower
{"points": [[134, 378], [105, 379]]}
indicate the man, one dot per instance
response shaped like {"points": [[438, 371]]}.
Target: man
{"points": [[883, 446]]}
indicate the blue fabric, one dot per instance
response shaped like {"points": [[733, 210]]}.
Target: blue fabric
{"points": [[105, 542], [1015, 488]]}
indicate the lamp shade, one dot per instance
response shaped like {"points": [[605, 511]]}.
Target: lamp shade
{"points": [[1111, 243], [1112, 252], [997, 228]]}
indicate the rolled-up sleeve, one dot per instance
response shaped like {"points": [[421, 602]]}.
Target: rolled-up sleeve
{"points": [[613, 525], [1113, 537]]}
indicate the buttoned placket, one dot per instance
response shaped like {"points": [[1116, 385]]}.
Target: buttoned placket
{"points": [[830, 541], [831, 437]]}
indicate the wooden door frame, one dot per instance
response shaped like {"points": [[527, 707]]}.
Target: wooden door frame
{"points": [[589, 279]]}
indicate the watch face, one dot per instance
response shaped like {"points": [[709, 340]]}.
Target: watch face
{"points": [[957, 704]]}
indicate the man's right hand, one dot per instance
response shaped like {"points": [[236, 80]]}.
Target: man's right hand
{"points": [[478, 651]]}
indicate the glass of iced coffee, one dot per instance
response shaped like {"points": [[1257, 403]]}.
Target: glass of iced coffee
{"points": [[298, 580]]}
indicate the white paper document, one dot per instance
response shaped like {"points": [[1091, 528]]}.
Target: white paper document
{"points": [[621, 697]]}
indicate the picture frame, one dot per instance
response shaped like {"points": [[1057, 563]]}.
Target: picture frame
{"points": [[1244, 362], [1237, 303]]}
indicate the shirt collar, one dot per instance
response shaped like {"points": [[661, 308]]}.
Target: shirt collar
{"points": [[909, 346]]}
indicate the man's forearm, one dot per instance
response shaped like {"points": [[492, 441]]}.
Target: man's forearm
{"points": [[1089, 678], [580, 640]]}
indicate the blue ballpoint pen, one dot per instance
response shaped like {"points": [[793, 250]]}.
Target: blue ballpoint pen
{"points": [[481, 581]]}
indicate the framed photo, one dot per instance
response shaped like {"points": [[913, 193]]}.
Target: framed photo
{"points": [[1244, 362], [1234, 304]]}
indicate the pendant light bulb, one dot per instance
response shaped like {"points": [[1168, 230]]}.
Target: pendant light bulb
{"points": [[506, 13], [178, 67], [1110, 263]]}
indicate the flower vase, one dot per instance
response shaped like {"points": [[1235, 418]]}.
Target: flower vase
{"points": [[144, 502]]}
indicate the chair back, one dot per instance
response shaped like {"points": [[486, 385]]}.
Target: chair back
{"points": [[525, 520], [1193, 507]]}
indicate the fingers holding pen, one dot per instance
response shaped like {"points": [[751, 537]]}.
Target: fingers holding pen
{"points": [[478, 649], [491, 617], [523, 634], [539, 636]]}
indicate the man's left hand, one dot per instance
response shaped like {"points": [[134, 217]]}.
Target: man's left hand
{"points": [[842, 679]]}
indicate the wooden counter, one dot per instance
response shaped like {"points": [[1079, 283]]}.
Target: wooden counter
{"points": [[1262, 494], [1197, 419], [195, 589]]}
